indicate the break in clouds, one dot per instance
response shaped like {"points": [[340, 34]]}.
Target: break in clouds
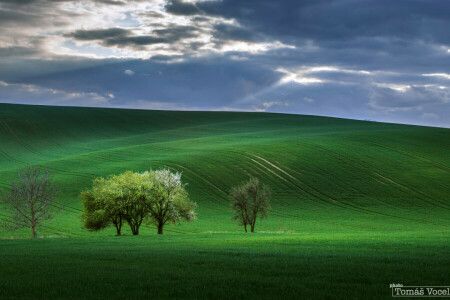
{"points": [[378, 60]]}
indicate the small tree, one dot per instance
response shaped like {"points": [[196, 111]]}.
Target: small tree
{"points": [[250, 200], [31, 199], [116, 199], [169, 200], [98, 214], [131, 194], [239, 204]]}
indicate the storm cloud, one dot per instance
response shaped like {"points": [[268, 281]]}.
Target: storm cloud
{"points": [[372, 59], [178, 7]]}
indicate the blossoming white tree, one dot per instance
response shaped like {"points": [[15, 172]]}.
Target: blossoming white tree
{"points": [[170, 202]]}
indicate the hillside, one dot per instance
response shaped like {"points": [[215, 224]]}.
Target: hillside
{"points": [[326, 174]]}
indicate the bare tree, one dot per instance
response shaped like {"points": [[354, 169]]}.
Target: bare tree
{"points": [[250, 200], [30, 199]]}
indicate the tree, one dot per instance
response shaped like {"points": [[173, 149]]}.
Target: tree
{"points": [[131, 194], [239, 204], [169, 200], [31, 199], [97, 215], [116, 199], [155, 196], [250, 200]]}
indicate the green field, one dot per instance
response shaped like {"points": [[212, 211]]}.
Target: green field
{"points": [[356, 205]]}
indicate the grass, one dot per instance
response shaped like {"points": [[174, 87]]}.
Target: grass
{"points": [[268, 266], [356, 205]]}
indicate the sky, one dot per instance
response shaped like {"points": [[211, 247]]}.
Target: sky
{"points": [[379, 60]]}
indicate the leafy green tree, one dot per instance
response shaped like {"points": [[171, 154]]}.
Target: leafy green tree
{"points": [[117, 199], [96, 215], [131, 194], [169, 200], [156, 196], [31, 199], [250, 200]]}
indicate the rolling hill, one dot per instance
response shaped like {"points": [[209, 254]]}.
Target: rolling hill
{"points": [[326, 174], [356, 205]]}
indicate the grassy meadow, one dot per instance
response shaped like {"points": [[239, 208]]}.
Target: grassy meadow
{"points": [[355, 205]]}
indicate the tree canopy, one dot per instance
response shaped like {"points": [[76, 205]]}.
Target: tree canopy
{"points": [[156, 196]]}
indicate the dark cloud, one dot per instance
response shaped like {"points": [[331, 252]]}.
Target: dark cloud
{"points": [[151, 14], [410, 98], [338, 20], [125, 37], [17, 51], [17, 2], [175, 33], [26, 2], [10, 17], [225, 32], [98, 34], [178, 7], [17, 68], [373, 54], [131, 41], [112, 2]]}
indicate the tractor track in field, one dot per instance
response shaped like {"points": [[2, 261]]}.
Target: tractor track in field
{"points": [[73, 173], [347, 160], [58, 171], [440, 166], [8, 157], [340, 204], [8, 129], [98, 157], [286, 204], [264, 170], [350, 188], [213, 186], [279, 213], [203, 179], [332, 202], [394, 183], [358, 191], [227, 195], [211, 161]]}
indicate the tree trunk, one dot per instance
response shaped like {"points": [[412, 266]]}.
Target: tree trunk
{"points": [[135, 230], [33, 228], [119, 226], [245, 227], [253, 227], [160, 228], [133, 226], [118, 229]]}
